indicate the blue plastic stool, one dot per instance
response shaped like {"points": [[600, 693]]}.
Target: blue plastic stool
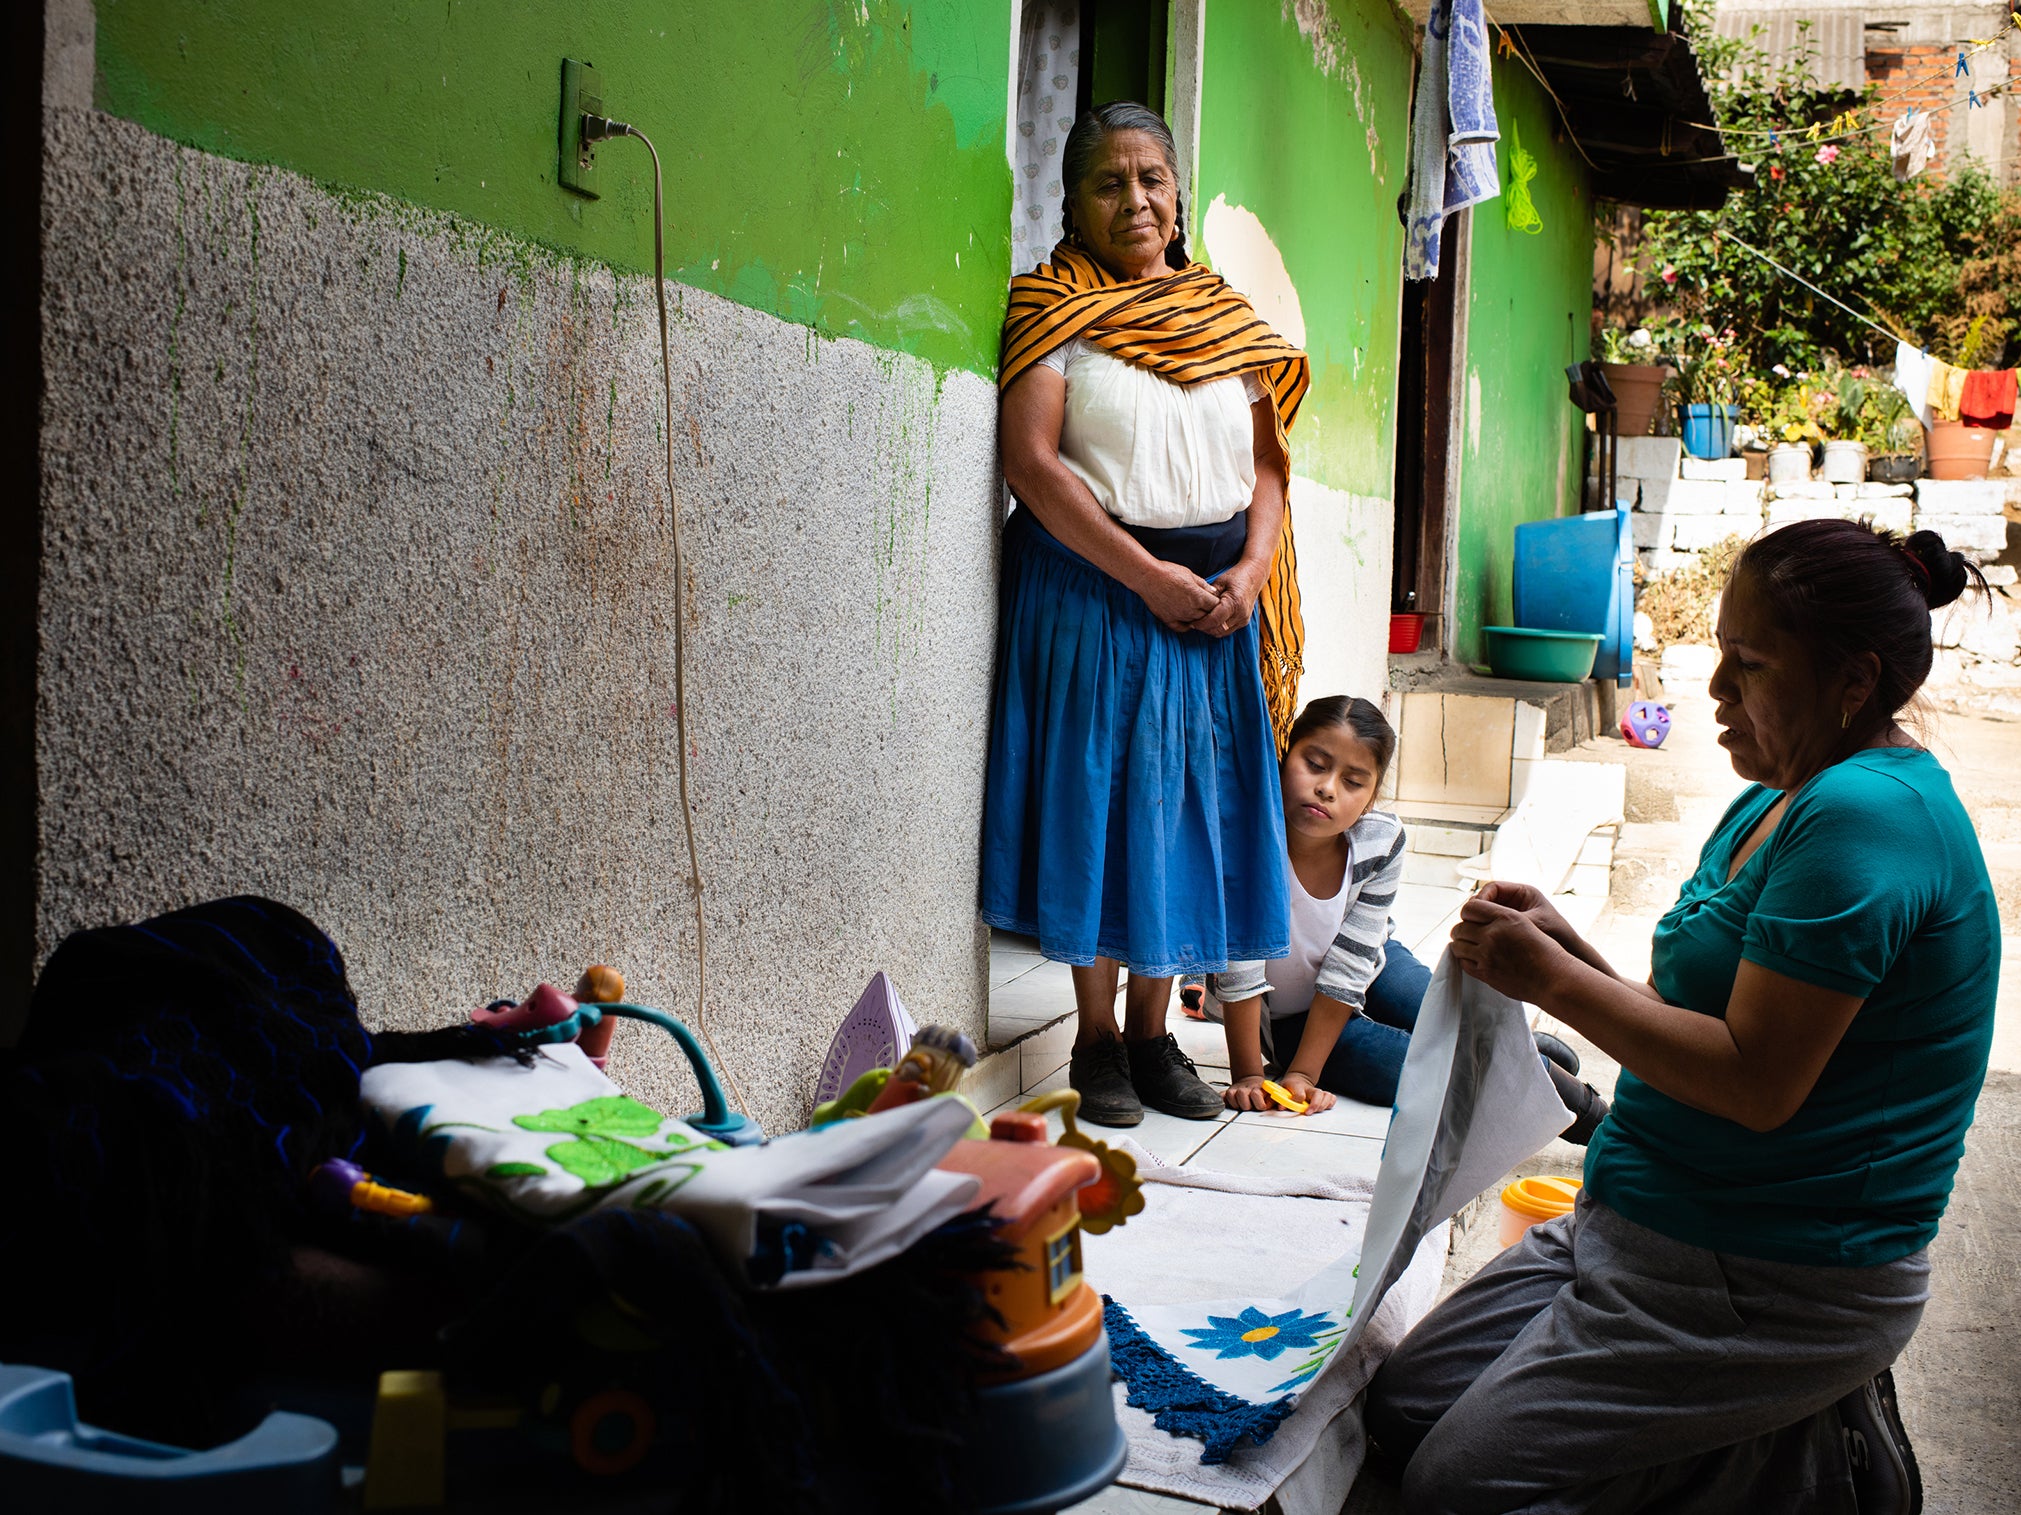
{"points": [[49, 1460]]}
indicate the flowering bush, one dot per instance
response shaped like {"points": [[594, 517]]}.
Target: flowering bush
{"points": [[1799, 411], [1922, 259]]}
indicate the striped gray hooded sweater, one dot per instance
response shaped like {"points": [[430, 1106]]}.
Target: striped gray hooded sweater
{"points": [[1375, 859]]}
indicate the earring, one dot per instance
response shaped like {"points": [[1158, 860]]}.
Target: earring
{"points": [[1845, 719]]}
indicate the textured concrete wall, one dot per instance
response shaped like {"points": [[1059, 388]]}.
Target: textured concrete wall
{"points": [[357, 592]]}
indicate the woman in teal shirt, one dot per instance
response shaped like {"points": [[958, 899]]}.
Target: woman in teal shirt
{"points": [[1712, 1328]]}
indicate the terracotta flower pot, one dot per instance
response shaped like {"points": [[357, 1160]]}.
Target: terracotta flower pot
{"points": [[1638, 393], [1958, 451]]}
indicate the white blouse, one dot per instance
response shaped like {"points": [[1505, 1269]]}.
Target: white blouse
{"points": [[1152, 452]]}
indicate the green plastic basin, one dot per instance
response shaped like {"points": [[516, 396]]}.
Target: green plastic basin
{"points": [[1546, 657]]}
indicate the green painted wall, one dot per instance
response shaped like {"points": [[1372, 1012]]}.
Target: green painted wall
{"points": [[1308, 129], [1526, 320], [836, 162]]}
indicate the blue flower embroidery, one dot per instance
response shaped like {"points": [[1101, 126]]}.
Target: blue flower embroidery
{"points": [[1254, 1334]]}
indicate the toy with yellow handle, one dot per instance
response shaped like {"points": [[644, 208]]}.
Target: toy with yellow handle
{"points": [[345, 1183], [1284, 1098], [1118, 1194]]}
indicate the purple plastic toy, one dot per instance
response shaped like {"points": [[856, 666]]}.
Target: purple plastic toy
{"points": [[1645, 724]]}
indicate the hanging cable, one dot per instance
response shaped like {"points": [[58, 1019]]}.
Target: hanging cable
{"points": [[1978, 46], [1893, 336], [595, 129], [1527, 59]]}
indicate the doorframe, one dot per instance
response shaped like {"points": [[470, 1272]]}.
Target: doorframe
{"points": [[1436, 366], [1459, 246]]}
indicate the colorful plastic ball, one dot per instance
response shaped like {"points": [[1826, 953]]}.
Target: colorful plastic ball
{"points": [[1645, 724]]}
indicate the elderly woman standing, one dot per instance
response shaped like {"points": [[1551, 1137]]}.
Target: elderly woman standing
{"points": [[1713, 1326], [1132, 815]]}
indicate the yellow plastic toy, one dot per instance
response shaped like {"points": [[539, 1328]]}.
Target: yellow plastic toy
{"points": [[1285, 1097]]}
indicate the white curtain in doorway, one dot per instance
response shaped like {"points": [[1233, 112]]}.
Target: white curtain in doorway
{"points": [[1049, 70]]}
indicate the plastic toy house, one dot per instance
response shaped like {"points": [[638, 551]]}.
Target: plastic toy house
{"points": [[1050, 1314], [1053, 1437]]}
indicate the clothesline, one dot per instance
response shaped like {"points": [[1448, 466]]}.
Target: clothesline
{"points": [[1978, 45], [1515, 46], [1821, 294]]}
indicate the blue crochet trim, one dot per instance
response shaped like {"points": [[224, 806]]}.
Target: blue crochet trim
{"points": [[1181, 1401]]}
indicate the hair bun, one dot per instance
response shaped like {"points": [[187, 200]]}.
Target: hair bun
{"points": [[1941, 574]]}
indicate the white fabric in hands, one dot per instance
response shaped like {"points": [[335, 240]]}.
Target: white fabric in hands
{"points": [[1472, 1101], [556, 1138]]}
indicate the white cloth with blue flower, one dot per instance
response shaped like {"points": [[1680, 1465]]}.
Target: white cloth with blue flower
{"points": [[1473, 1100]]}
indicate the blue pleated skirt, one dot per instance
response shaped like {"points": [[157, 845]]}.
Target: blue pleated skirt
{"points": [[1133, 808]]}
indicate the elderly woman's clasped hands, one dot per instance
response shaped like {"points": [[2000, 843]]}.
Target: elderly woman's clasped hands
{"points": [[1183, 601]]}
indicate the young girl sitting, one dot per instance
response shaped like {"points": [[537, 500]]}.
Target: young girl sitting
{"points": [[1336, 1015]]}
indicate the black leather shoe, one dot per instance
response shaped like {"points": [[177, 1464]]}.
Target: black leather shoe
{"points": [[1100, 1074], [1167, 1081], [1886, 1480], [1586, 1103], [1555, 1051]]}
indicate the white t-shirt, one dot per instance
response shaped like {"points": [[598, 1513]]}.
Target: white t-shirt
{"points": [[1314, 925], [1152, 452], [1338, 946]]}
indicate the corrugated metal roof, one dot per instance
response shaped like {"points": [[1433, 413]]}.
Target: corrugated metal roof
{"points": [[1836, 38]]}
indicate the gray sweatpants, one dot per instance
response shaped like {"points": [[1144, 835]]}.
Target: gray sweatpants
{"points": [[1597, 1366]]}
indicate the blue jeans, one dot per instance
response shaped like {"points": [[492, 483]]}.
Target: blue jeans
{"points": [[1369, 1055]]}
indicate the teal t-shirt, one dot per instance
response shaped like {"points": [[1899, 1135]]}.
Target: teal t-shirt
{"points": [[1872, 883]]}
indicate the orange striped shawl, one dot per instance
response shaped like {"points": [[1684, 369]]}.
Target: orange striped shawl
{"points": [[1189, 327]]}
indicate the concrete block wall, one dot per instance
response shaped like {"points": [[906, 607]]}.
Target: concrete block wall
{"points": [[1683, 505], [357, 592]]}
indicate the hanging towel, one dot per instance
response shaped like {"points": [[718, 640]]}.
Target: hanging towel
{"points": [[1947, 386], [1912, 378], [1453, 130], [1987, 398], [1910, 144]]}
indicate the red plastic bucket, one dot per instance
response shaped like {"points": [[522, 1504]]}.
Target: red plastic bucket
{"points": [[1406, 629]]}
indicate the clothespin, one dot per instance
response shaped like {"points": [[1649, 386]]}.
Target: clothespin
{"points": [[1964, 70], [1773, 141], [1504, 44], [1909, 114], [1814, 130], [1973, 102]]}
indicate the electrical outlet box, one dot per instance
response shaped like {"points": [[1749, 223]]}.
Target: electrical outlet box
{"points": [[580, 92]]}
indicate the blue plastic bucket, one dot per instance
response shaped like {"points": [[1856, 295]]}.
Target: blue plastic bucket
{"points": [[1708, 430], [1577, 573]]}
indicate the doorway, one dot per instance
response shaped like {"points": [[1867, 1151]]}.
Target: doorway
{"points": [[1431, 351]]}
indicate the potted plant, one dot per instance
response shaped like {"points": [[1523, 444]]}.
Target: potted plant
{"points": [[1958, 449], [1628, 359], [1845, 459], [1708, 385], [1893, 436], [1792, 430]]}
